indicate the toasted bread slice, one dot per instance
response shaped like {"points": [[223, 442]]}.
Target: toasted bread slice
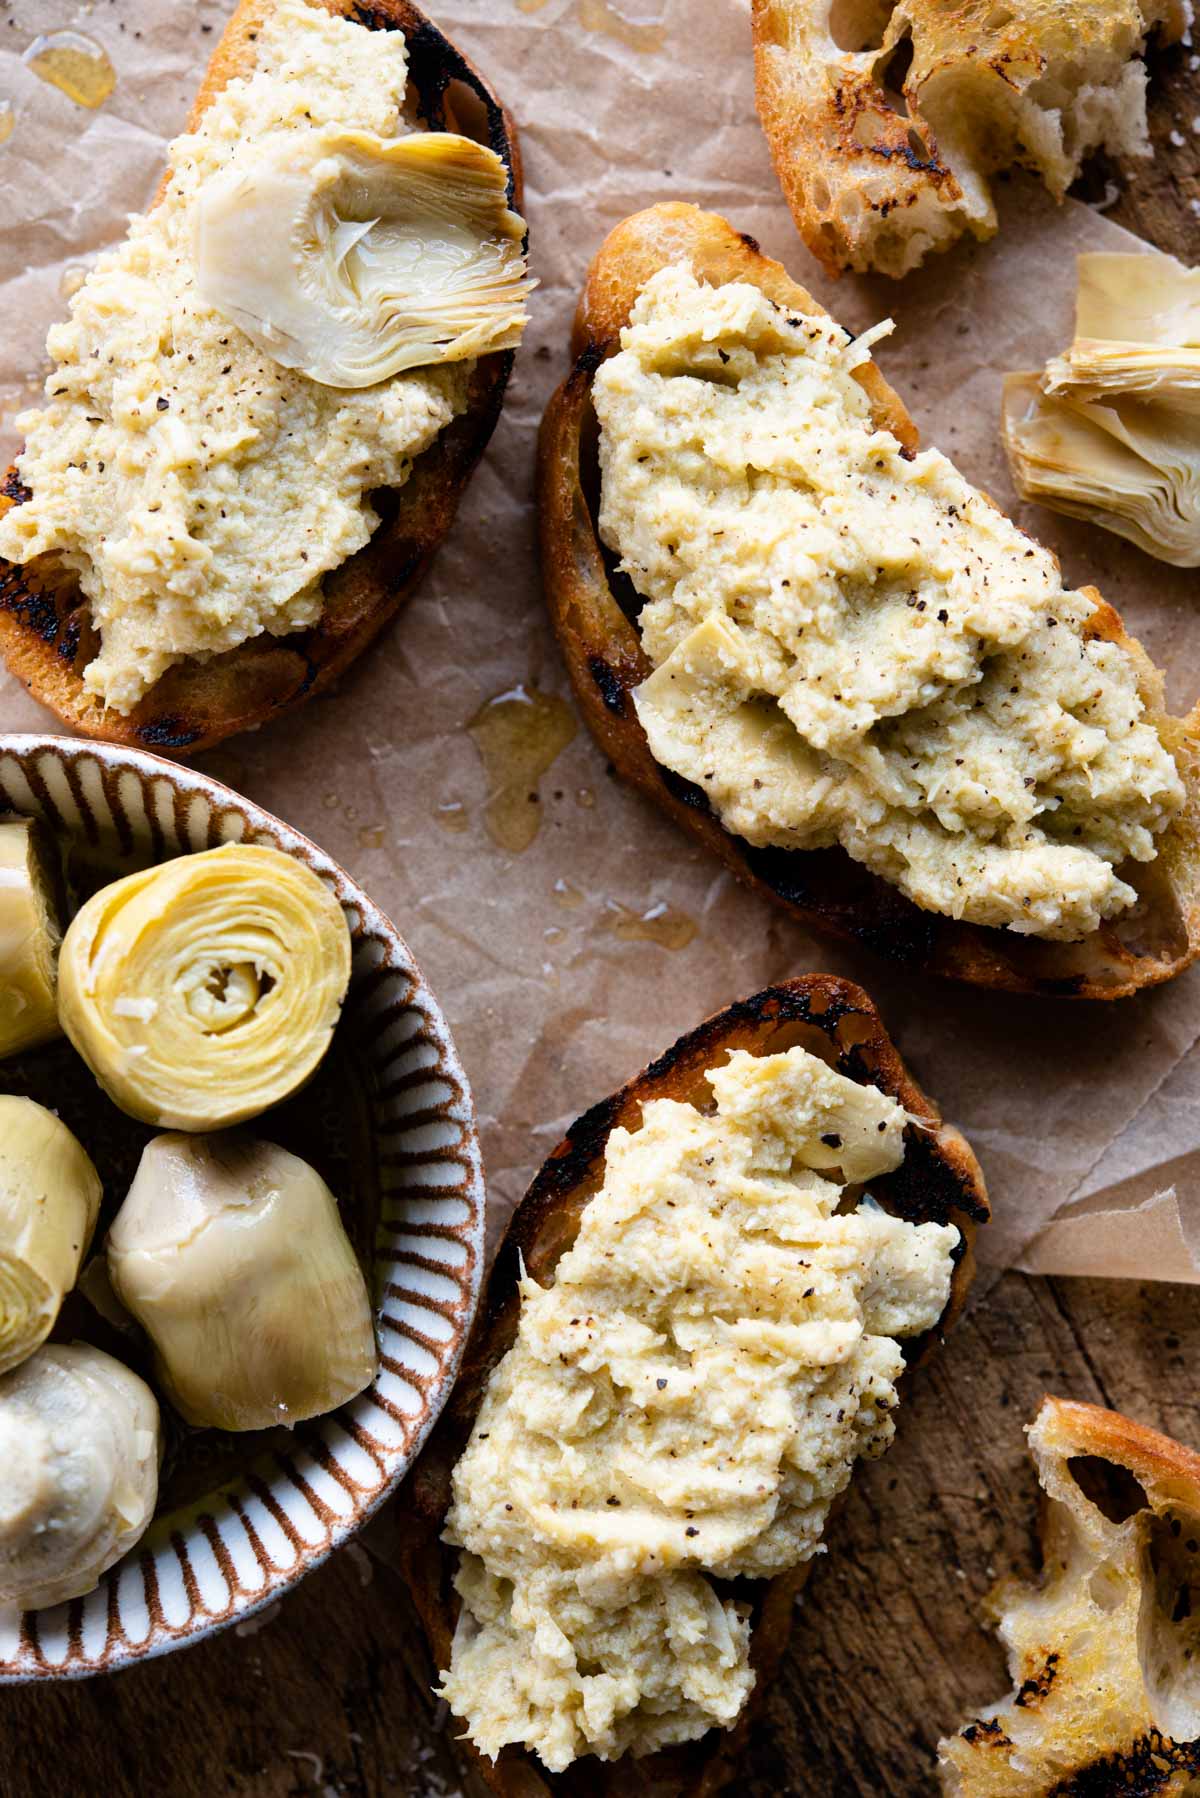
{"points": [[594, 612], [1105, 1650], [938, 1181], [46, 634], [875, 177]]}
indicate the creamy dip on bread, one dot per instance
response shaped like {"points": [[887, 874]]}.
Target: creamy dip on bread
{"points": [[198, 489], [851, 644], [682, 1403]]}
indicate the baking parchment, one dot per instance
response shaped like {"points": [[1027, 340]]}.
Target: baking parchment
{"points": [[554, 964]]}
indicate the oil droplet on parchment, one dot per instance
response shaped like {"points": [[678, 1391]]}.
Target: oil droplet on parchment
{"points": [[663, 924], [602, 15], [453, 815], [371, 836], [586, 798], [77, 65], [568, 895], [8, 120], [518, 734]]}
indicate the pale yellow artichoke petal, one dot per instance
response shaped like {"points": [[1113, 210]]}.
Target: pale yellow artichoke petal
{"points": [[49, 1202], [1130, 467], [204, 991], [29, 937], [352, 257], [231, 1255]]}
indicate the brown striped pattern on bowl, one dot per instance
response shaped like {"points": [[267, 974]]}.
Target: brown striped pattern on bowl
{"points": [[209, 1561]]}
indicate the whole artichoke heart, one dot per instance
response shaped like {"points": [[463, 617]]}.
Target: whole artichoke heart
{"points": [[231, 1255], [49, 1201], [352, 257], [79, 1448], [205, 990]]}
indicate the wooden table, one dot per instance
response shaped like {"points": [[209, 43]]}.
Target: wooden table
{"points": [[331, 1694]]}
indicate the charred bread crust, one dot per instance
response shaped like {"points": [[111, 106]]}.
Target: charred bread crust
{"points": [[46, 635], [938, 1181], [593, 609], [1121, 1467]]}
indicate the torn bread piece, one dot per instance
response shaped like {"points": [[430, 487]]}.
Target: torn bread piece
{"points": [[267, 400], [1104, 1650], [695, 1326], [795, 629], [886, 122], [1110, 430]]}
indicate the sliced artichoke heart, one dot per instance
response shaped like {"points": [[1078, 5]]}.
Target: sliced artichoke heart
{"points": [[1128, 465], [49, 1202], [204, 991], [352, 257], [29, 937]]}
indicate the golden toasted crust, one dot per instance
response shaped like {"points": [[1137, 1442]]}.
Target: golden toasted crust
{"points": [[860, 165], [939, 1181], [1103, 1648], [46, 635], [593, 609]]}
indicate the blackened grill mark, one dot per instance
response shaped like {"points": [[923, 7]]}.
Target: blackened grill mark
{"points": [[36, 610], [1039, 1685], [1148, 1766], [608, 684], [169, 732]]}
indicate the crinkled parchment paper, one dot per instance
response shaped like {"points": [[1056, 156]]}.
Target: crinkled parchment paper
{"points": [[556, 991]]}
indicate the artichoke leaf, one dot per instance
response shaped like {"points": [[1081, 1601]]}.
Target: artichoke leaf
{"points": [[1127, 465], [352, 257]]}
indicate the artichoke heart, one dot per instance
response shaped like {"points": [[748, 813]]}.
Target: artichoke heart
{"points": [[1127, 465], [231, 1255], [352, 257], [79, 1444], [205, 990], [29, 937], [1110, 430], [49, 1201]]}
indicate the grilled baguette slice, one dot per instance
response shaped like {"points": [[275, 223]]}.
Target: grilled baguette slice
{"points": [[594, 612], [46, 634], [1105, 1650], [938, 1181], [876, 180]]}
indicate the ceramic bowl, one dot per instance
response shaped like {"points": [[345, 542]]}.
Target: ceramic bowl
{"points": [[388, 1121]]}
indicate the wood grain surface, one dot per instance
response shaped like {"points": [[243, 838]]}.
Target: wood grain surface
{"points": [[330, 1695]]}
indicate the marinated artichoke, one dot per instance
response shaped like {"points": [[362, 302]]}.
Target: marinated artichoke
{"points": [[29, 936], [79, 1444], [231, 1255], [49, 1202], [352, 257], [206, 990], [1110, 430]]}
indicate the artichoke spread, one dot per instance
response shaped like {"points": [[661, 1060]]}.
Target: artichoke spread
{"points": [[851, 644], [197, 487], [683, 1403], [29, 936], [231, 1255], [205, 990], [79, 1443], [49, 1202]]}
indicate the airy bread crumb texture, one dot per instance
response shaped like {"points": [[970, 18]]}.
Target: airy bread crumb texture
{"points": [[887, 122], [1104, 1650]]}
